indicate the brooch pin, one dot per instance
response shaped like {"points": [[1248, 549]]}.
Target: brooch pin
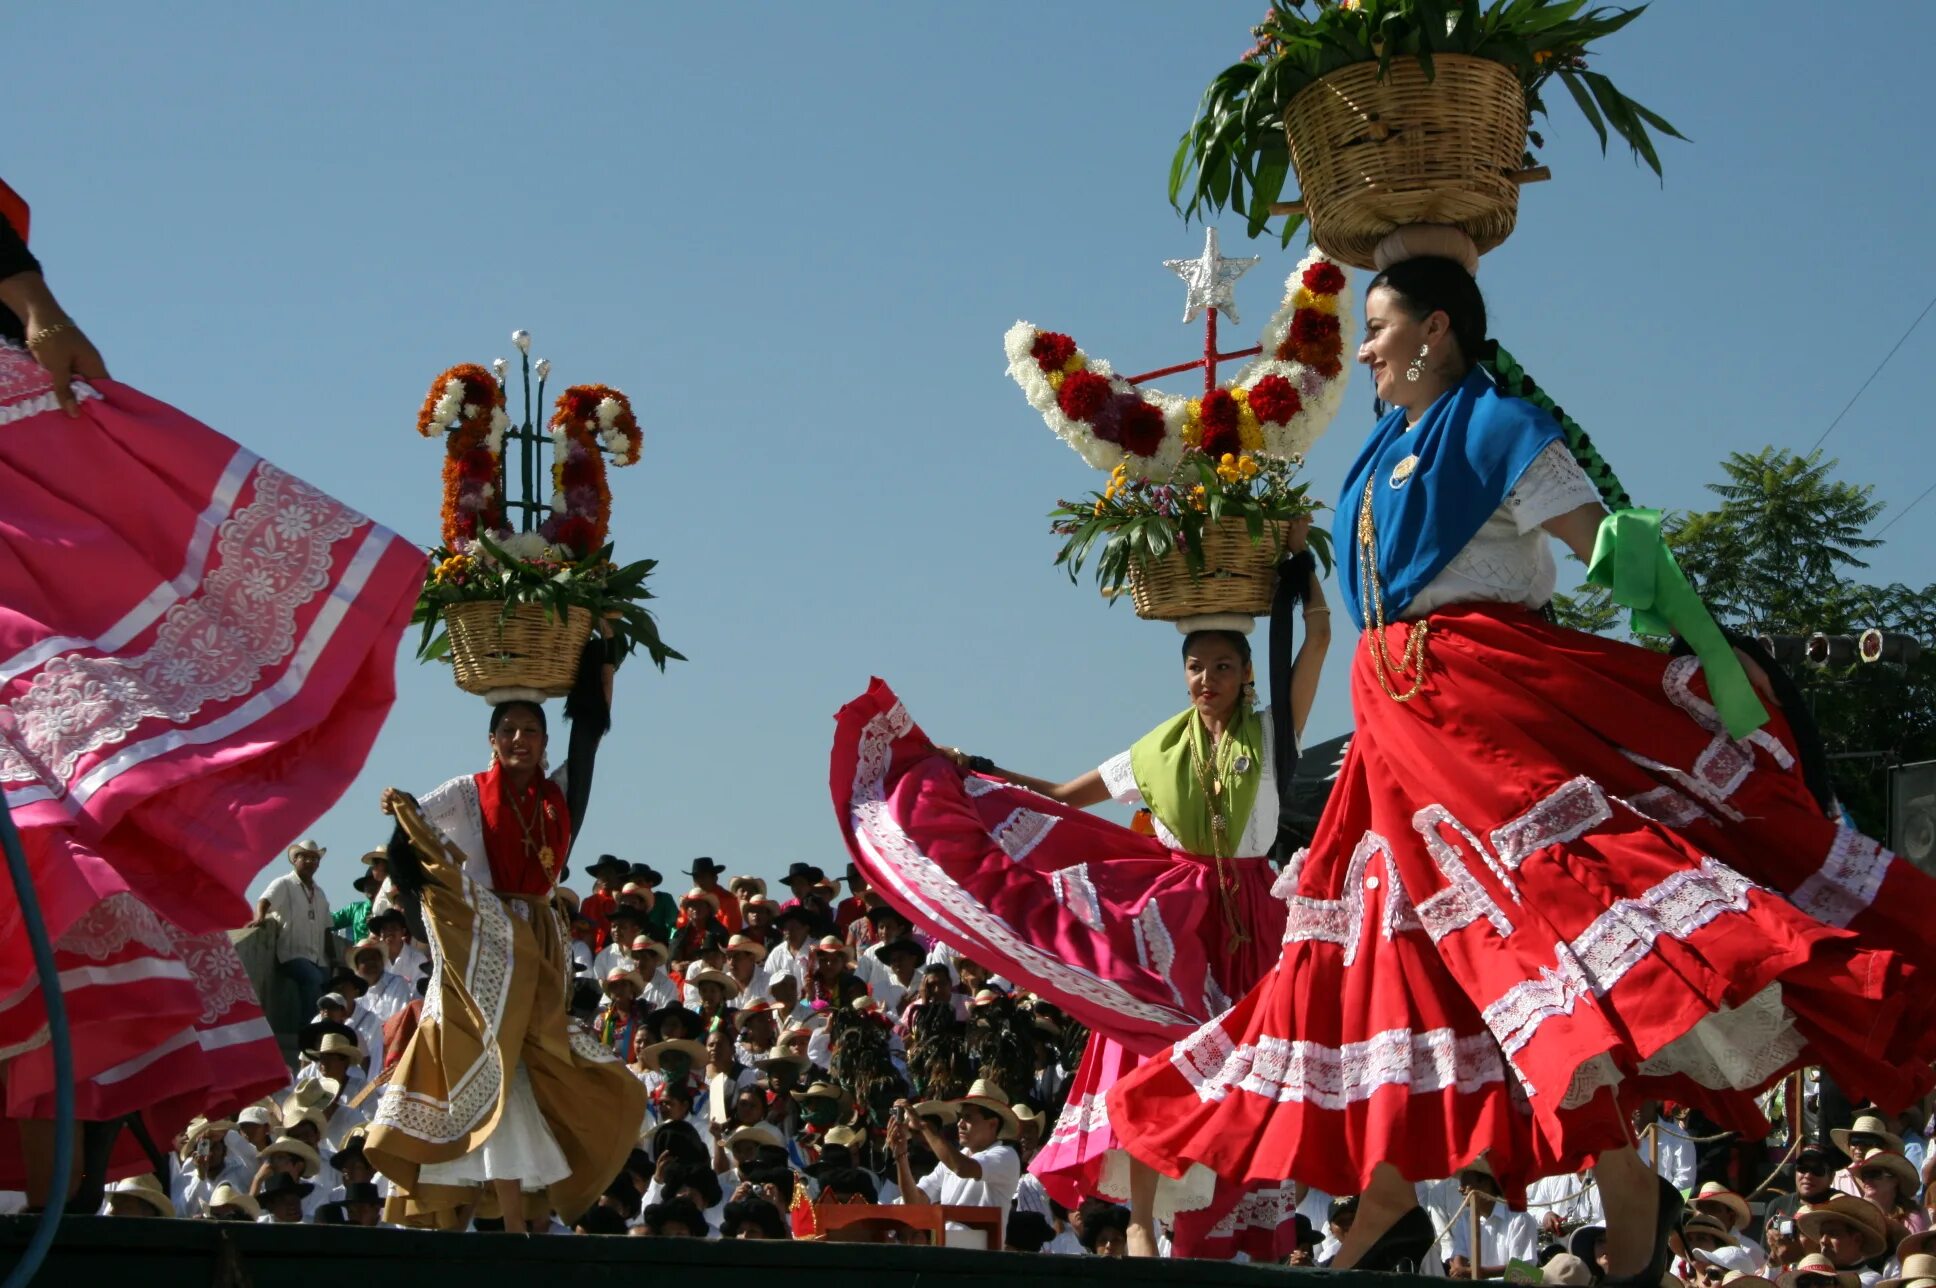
{"points": [[1403, 471], [1243, 765]]}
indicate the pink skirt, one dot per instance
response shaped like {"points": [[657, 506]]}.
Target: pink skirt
{"points": [[1132, 938], [196, 653]]}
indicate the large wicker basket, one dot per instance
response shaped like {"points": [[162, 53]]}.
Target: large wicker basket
{"points": [[1374, 154], [527, 650], [1238, 575]]}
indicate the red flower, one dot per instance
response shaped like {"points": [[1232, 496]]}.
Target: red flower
{"points": [[1324, 279], [1315, 333], [1051, 350], [1141, 426], [576, 534], [1218, 441], [1219, 411], [1082, 395], [1275, 400], [478, 465]]}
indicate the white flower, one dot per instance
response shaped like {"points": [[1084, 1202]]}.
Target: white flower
{"points": [[495, 438], [498, 365], [522, 339], [608, 410], [544, 367], [526, 546], [451, 404]]}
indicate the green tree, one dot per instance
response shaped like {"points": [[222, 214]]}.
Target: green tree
{"points": [[1780, 555]]}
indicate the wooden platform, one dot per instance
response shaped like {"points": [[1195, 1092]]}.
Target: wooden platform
{"points": [[212, 1254]]}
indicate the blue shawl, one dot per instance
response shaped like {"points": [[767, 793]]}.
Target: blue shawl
{"points": [[1472, 445]]}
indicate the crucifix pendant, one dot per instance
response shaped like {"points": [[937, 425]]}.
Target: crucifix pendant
{"points": [[546, 857]]}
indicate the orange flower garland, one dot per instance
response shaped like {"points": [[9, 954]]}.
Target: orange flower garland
{"points": [[466, 405], [586, 420]]}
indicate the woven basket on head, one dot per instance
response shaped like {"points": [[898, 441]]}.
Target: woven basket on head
{"points": [[530, 649], [1238, 575], [1373, 155]]}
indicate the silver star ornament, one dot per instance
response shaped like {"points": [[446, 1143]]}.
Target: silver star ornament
{"points": [[1209, 279]]}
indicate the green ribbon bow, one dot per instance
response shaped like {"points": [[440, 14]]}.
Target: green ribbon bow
{"points": [[1631, 559]]}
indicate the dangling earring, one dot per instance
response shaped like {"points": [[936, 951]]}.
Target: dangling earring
{"points": [[1250, 693], [1417, 369]]}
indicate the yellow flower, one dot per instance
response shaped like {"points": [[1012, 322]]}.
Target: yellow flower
{"points": [[451, 568], [1075, 363], [1541, 57], [1247, 466], [1197, 497], [1228, 469], [1305, 299], [1193, 422], [1099, 509], [1055, 381], [1250, 433]]}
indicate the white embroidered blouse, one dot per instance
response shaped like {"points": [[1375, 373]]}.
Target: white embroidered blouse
{"points": [[1510, 560], [1260, 829]]}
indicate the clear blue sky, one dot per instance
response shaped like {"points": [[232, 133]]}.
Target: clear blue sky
{"points": [[795, 235]]}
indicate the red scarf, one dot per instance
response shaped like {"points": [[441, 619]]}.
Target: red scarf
{"points": [[516, 866], [13, 209]]}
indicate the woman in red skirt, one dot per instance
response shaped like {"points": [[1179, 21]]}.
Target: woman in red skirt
{"points": [[1556, 871]]}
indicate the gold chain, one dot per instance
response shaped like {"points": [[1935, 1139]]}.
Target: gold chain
{"points": [[1371, 597], [535, 844], [1215, 773]]}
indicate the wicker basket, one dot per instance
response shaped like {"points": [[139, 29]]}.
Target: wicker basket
{"points": [[528, 650], [1372, 155], [1238, 575]]}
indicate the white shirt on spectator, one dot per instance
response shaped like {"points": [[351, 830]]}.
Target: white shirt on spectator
{"points": [[191, 1190], [610, 958], [1504, 1237], [581, 952], [658, 990], [789, 961], [303, 912], [408, 964], [1001, 1176], [387, 996], [1676, 1155]]}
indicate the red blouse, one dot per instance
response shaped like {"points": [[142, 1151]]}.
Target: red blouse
{"points": [[517, 861]]}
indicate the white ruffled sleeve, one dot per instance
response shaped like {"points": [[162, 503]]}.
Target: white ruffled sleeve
{"points": [[1551, 486], [1120, 780]]}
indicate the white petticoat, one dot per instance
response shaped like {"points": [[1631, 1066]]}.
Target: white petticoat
{"points": [[522, 1148]]}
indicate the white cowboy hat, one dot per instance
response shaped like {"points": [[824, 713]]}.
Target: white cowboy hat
{"points": [[1866, 1125], [309, 846], [619, 975], [984, 1094], [1716, 1195], [1908, 1179], [649, 1057], [1817, 1264], [642, 944], [227, 1195], [740, 945], [719, 977], [758, 1133], [336, 1044], [148, 1190], [1918, 1267], [756, 884], [296, 1149], [1860, 1213]]}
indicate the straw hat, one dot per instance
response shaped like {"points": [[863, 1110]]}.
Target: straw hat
{"points": [[644, 945], [200, 1127], [283, 1183], [619, 975], [336, 1044], [946, 1110], [1915, 1243], [296, 1149], [821, 1091], [984, 1094], [1817, 1264], [1717, 1199], [1712, 1226], [649, 1057], [1860, 1213], [1031, 1122], [1917, 1269], [835, 946], [308, 846], [759, 1134], [1566, 1271], [780, 1056], [146, 1189], [850, 1136], [310, 1093], [1866, 1125], [756, 884], [741, 946], [227, 1195], [1908, 1180], [1742, 1279], [719, 977], [696, 895]]}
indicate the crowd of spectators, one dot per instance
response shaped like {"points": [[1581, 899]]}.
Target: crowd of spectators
{"points": [[801, 1045]]}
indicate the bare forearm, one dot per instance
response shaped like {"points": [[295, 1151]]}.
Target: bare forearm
{"points": [[27, 297], [911, 1194]]}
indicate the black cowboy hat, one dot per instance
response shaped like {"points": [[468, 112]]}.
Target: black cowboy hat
{"points": [[802, 872], [352, 1148], [369, 883], [704, 867], [361, 1192], [311, 1034], [387, 917], [877, 915], [646, 874], [280, 1183], [854, 873], [901, 945], [794, 913], [626, 911], [656, 1019], [607, 863], [340, 979]]}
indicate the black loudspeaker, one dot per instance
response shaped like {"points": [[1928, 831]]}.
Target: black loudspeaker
{"points": [[1912, 813]]}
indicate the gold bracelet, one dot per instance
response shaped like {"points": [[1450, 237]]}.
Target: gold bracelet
{"points": [[1309, 613], [46, 331]]}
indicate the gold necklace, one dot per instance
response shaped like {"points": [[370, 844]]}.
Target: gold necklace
{"points": [[533, 843], [1216, 771], [1371, 599]]}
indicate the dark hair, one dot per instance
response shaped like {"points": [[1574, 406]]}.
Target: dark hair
{"points": [[1028, 1231], [756, 1212], [1236, 639], [1433, 284], [697, 1176], [938, 968], [848, 1180], [503, 709], [600, 1219], [680, 1210], [778, 1175], [1101, 1217]]}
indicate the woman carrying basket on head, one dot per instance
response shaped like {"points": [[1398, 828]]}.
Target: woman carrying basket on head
{"points": [[1141, 937], [1556, 870]]}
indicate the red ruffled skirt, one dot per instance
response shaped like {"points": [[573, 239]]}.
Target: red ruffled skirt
{"points": [[196, 652], [1130, 937], [1548, 882]]}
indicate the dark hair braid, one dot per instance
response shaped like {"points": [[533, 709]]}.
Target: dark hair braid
{"points": [[1512, 378]]}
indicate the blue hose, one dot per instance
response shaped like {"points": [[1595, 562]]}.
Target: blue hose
{"points": [[50, 991]]}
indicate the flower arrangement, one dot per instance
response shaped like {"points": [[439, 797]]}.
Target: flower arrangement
{"points": [[1179, 466], [1235, 154], [1277, 405], [562, 558]]}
